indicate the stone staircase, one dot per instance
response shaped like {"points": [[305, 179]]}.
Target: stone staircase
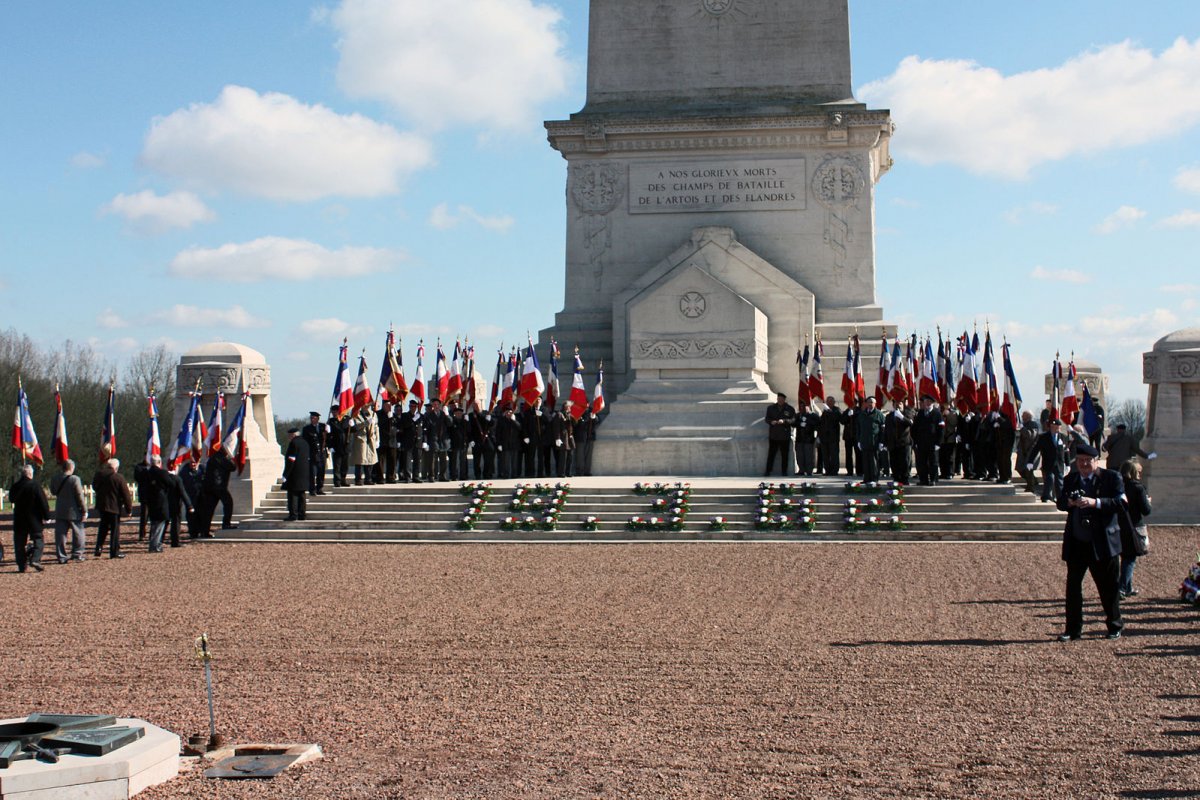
{"points": [[953, 510]]}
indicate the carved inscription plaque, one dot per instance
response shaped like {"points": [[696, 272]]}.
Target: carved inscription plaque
{"points": [[717, 185]]}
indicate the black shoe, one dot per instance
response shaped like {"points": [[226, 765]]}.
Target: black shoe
{"points": [[62, 560], [206, 536], [118, 555], [1070, 637], [1113, 634], [176, 545], [290, 518], [38, 567], [1132, 593]]}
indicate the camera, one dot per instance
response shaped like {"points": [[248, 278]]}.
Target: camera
{"points": [[1075, 495]]}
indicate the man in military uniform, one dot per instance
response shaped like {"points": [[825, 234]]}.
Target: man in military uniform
{"points": [[829, 431], [779, 418], [508, 444], [296, 475], [1050, 449], [1026, 439], [385, 468], [947, 455], [807, 424], [1004, 439], [460, 436], [337, 433], [436, 425], [410, 436], [927, 432], [850, 438], [897, 435], [533, 431], [317, 437], [482, 442]]}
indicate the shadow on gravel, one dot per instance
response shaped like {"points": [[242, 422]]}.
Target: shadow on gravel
{"points": [[1161, 793], [1163, 650], [1184, 718], [1179, 697], [942, 643], [1006, 602]]}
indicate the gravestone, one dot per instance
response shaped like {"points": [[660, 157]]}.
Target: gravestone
{"points": [[719, 136], [233, 368], [1172, 371]]}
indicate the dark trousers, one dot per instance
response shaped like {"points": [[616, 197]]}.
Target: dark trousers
{"points": [[175, 530], [415, 459], [1004, 465], [852, 457], [141, 522], [1027, 474], [458, 463], [297, 505], [341, 465], [868, 463], [27, 545], [583, 457], [1052, 480], [899, 459], [985, 460], [829, 457], [946, 460], [506, 463], [484, 460], [964, 460], [782, 447], [532, 468], [317, 477], [805, 457], [562, 462], [927, 464], [387, 464], [1105, 573], [109, 524], [208, 508]]}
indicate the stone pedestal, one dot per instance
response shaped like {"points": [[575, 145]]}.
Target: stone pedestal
{"points": [[1172, 371], [1088, 372], [233, 368]]}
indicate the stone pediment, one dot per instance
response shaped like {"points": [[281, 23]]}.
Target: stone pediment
{"points": [[716, 261]]}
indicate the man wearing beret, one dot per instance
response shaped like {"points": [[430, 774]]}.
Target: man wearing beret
{"points": [[316, 434], [779, 419], [1091, 539], [297, 474]]}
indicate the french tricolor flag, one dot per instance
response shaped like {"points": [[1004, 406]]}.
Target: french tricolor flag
{"points": [[24, 439], [1070, 403], [578, 398], [441, 377], [212, 437], [508, 390], [897, 387], [235, 440], [552, 390], [418, 384], [883, 384], [532, 384], [816, 377], [598, 392], [1011, 402], [967, 383], [108, 434], [58, 444], [153, 440], [497, 379], [343, 392], [362, 390], [454, 383], [929, 373], [185, 441]]}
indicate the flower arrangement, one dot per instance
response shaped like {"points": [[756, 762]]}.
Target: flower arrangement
{"points": [[869, 487], [858, 515], [590, 524], [718, 524], [785, 522], [640, 523], [468, 489], [789, 489], [660, 488], [480, 494], [1189, 590]]}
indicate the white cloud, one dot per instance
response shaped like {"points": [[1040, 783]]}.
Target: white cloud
{"points": [[280, 258], [988, 123], [297, 355], [1060, 275], [487, 331], [332, 328], [480, 62], [148, 212], [1188, 180], [111, 320], [85, 160], [1180, 288], [443, 219], [183, 316], [274, 146], [1037, 208], [1123, 217], [1184, 219]]}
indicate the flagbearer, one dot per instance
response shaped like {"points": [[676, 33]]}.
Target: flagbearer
{"points": [[113, 499], [807, 424], [70, 510], [317, 437], [829, 431], [30, 512], [779, 418], [927, 433], [297, 472]]}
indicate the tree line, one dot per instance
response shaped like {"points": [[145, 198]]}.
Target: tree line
{"points": [[83, 378]]}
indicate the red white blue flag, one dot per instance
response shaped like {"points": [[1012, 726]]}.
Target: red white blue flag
{"points": [[883, 380], [578, 398], [24, 439], [532, 386], [362, 392], [441, 377], [508, 390], [153, 440], [598, 392], [454, 383], [816, 377], [186, 442], [967, 384], [1010, 403], [929, 372], [989, 396], [235, 440], [552, 389], [469, 384], [58, 445], [1070, 403], [897, 388], [390, 376], [496, 379], [212, 436], [418, 384], [108, 432], [343, 391], [802, 398]]}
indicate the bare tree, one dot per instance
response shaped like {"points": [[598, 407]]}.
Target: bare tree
{"points": [[151, 368], [1131, 413]]}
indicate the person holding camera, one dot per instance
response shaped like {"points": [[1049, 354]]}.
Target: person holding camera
{"points": [[1092, 498], [1138, 503]]}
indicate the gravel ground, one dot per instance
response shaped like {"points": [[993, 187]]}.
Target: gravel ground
{"points": [[681, 670]]}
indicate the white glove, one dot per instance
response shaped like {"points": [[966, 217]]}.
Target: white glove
{"points": [[897, 414], [1152, 456], [882, 448], [500, 448], [470, 445], [424, 445], [526, 440], [537, 413], [558, 442], [1029, 467], [858, 446], [488, 417]]}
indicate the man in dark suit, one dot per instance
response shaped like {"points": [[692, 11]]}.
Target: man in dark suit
{"points": [[297, 475], [1091, 539], [779, 418], [807, 424], [30, 512], [152, 492], [215, 489], [927, 438], [869, 443], [178, 499], [1049, 448], [829, 430], [897, 435], [112, 499], [317, 436]]}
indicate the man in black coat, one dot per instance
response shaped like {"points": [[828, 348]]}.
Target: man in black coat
{"points": [[410, 435], [385, 467], [897, 435], [297, 475], [829, 431], [585, 440], [850, 438], [807, 423], [483, 443], [141, 479], [317, 436], [779, 418], [927, 431], [152, 493], [1092, 539], [215, 489], [30, 512], [534, 429], [1050, 450], [1005, 439], [191, 476], [178, 499], [436, 424], [508, 444], [338, 441], [460, 436]]}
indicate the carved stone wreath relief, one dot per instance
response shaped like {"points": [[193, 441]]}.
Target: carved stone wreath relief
{"points": [[596, 188], [838, 184]]}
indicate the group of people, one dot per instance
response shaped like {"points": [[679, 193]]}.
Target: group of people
{"points": [[438, 443], [166, 497]]}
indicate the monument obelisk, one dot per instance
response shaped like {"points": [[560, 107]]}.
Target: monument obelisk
{"points": [[720, 207]]}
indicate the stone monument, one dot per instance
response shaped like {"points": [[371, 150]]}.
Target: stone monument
{"points": [[1088, 372], [1172, 371], [720, 207], [232, 369]]}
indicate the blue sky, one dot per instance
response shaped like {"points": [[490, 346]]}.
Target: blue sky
{"points": [[285, 174]]}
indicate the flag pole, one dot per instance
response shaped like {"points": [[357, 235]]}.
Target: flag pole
{"points": [[20, 391]]}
